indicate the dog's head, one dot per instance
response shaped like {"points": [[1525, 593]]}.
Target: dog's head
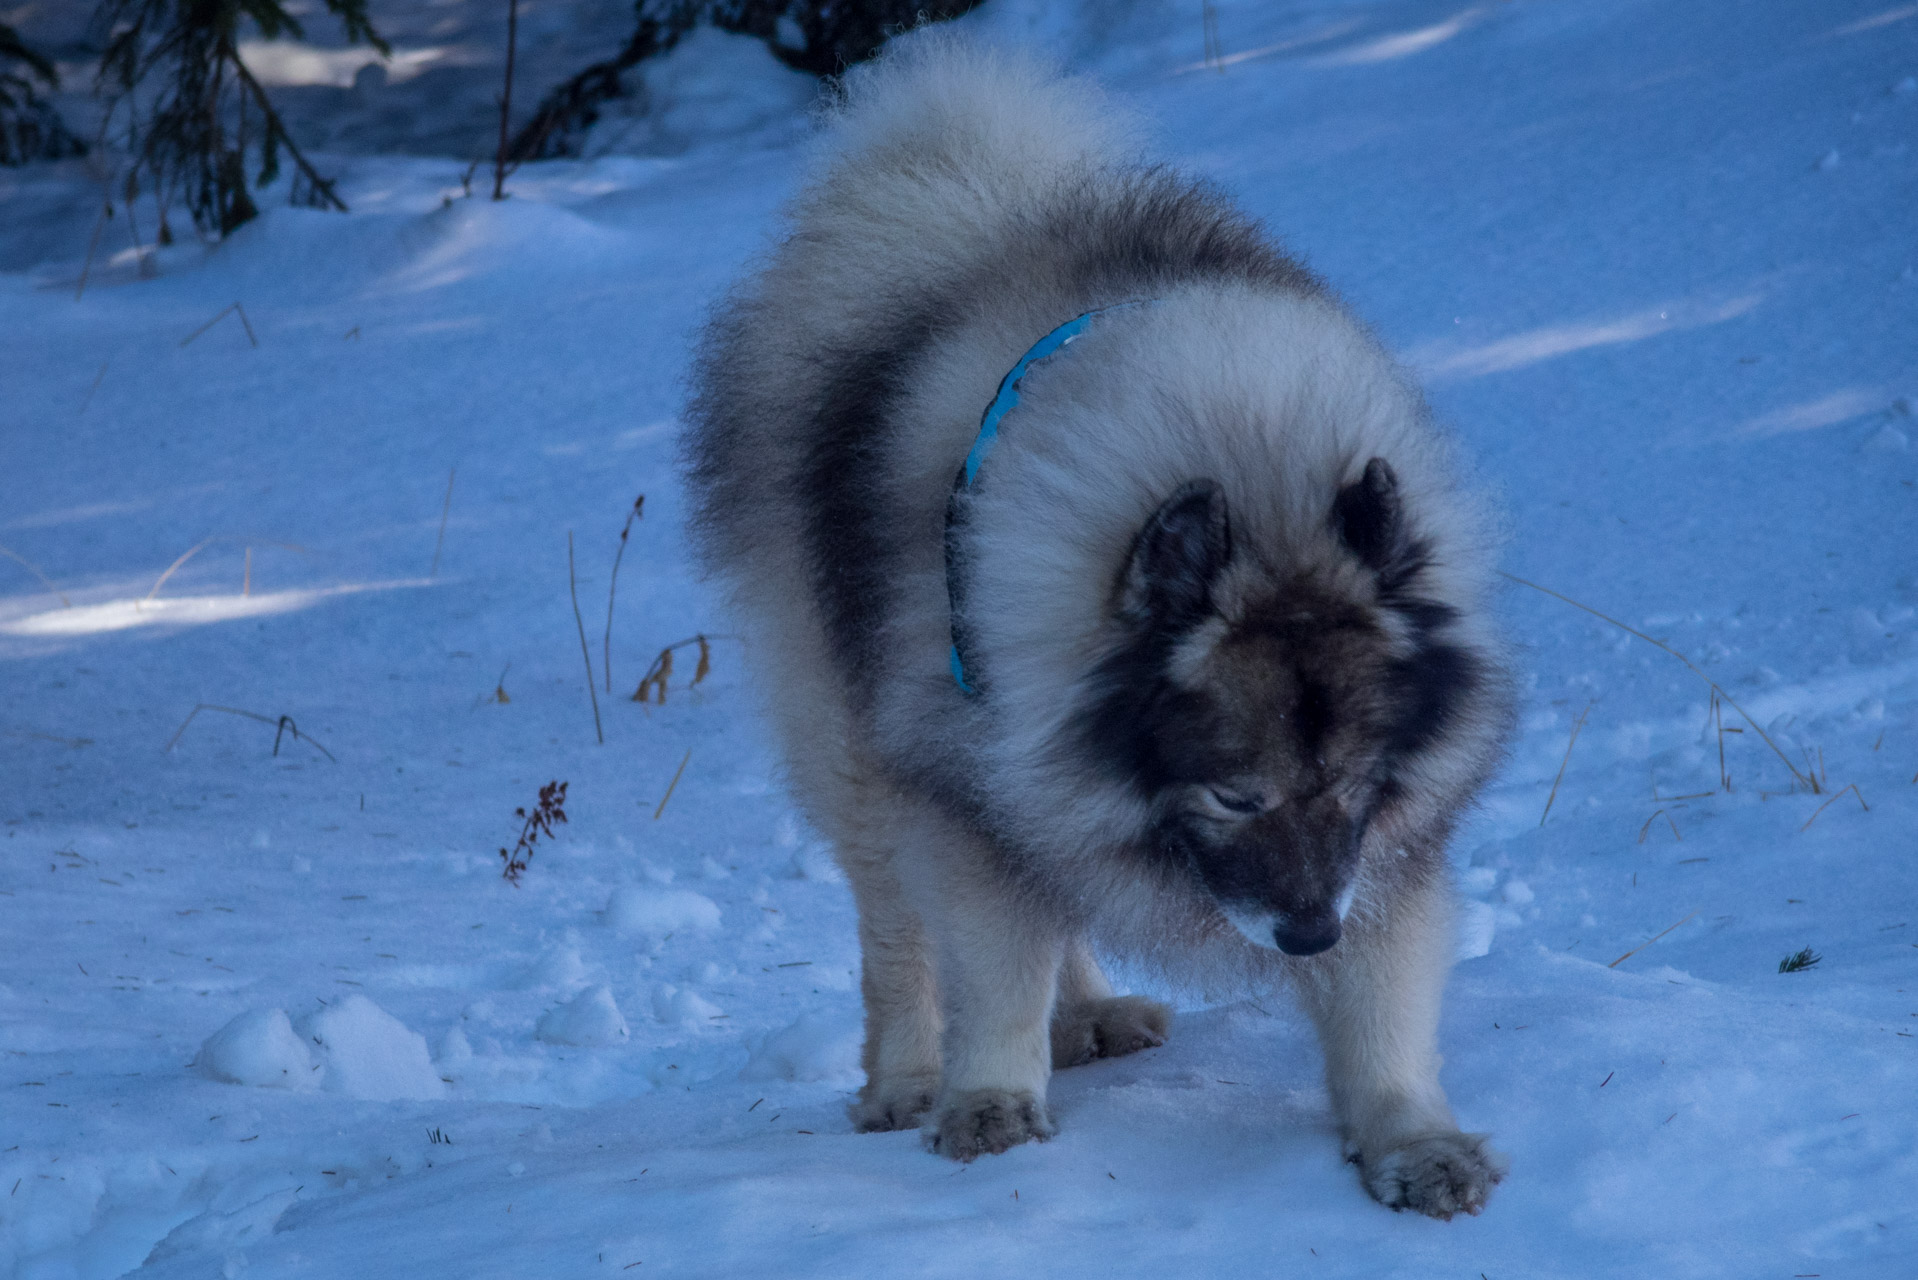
{"points": [[1272, 715]]}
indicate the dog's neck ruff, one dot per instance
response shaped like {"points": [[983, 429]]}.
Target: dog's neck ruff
{"points": [[1002, 404]]}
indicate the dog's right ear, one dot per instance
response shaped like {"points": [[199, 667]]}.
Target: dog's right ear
{"points": [[1176, 557], [1367, 514]]}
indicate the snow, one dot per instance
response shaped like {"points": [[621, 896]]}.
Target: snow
{"points": [[590, 1020], [654, 913], [812, 1049], [1683, 352], [365, 1052], [260, 1048]]}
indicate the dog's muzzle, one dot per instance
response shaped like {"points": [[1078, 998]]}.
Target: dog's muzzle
{"points": [[1296, 935], [1308, 936]]}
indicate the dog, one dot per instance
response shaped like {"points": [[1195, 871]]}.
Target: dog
{"points": [[1181, 652]]}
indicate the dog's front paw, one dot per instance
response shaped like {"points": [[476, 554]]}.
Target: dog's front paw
{"points": [[985, 1122], [1109, 1028], [1438, 1175], [898, 1103]]}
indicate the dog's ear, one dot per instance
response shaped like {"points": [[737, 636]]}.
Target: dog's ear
{"points": [[1176, 557], [1367, 515]]}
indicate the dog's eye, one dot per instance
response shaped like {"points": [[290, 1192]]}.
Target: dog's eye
{"points": [[1236, 802]]}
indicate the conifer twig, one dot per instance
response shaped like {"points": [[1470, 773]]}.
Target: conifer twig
{"points": [[277, 128]]}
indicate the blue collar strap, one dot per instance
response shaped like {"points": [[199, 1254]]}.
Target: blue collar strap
{"points": [[1002, 404]]}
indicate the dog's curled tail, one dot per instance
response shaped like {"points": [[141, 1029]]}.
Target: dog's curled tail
{"points": [[940, 108]]}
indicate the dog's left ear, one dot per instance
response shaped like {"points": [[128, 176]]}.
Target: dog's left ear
{"points": [[1176, 557], [1368, 514]]}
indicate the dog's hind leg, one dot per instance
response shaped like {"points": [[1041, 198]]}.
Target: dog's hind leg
{"points": [[1089, 1022], [1375, 997]]}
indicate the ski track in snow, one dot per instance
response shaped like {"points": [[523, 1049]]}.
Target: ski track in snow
{"points": [[278, 1014]]}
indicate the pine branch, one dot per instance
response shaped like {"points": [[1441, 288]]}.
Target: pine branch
{"points": [[276, 128]]}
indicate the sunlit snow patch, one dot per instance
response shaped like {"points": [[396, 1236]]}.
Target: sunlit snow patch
{"points": [[1441, 361], [1825, 411], [288, 62], [182, 611], [1406, 43]]}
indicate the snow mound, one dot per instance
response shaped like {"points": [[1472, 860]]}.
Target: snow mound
{"points": [[559, 966], [369, 1054], [1477, 924], [649, 910], [589, 1020], [679, 1008], [1887, 439], [220, 1235], [814, 1048], [258, 1048]]}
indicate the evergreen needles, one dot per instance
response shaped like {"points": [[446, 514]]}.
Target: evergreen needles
{"points": [[1798, 961], [29, 128], [821, 37], [194, 114]]}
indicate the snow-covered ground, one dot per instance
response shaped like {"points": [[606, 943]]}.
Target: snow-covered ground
{"points": [[280, 1015]]}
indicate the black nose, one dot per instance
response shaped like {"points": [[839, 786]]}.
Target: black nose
{"points": [[1307, 937]]}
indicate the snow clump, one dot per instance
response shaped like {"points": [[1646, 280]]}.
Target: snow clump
{"points": [[679, 1008], [1477, 925], [590, 1021], [812, 1049], [655, 912], [369, 1054], [258, 1048]]}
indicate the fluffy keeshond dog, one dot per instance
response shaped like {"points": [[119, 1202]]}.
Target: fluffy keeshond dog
{"points": [[1111, 588]]}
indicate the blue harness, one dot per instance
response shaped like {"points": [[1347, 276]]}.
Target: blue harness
{"points": [[1002, 404]]}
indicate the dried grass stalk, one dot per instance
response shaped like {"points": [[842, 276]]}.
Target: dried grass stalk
{"points": [[283, 726], [572, 585], [1576, 726], [1648, 942], [1810, 783]]}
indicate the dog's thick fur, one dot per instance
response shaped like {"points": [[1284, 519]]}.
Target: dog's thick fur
{"points": [[1221, 598]]}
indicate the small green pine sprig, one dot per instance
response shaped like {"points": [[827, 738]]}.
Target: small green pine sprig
{"points": [[1799, 960]]}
